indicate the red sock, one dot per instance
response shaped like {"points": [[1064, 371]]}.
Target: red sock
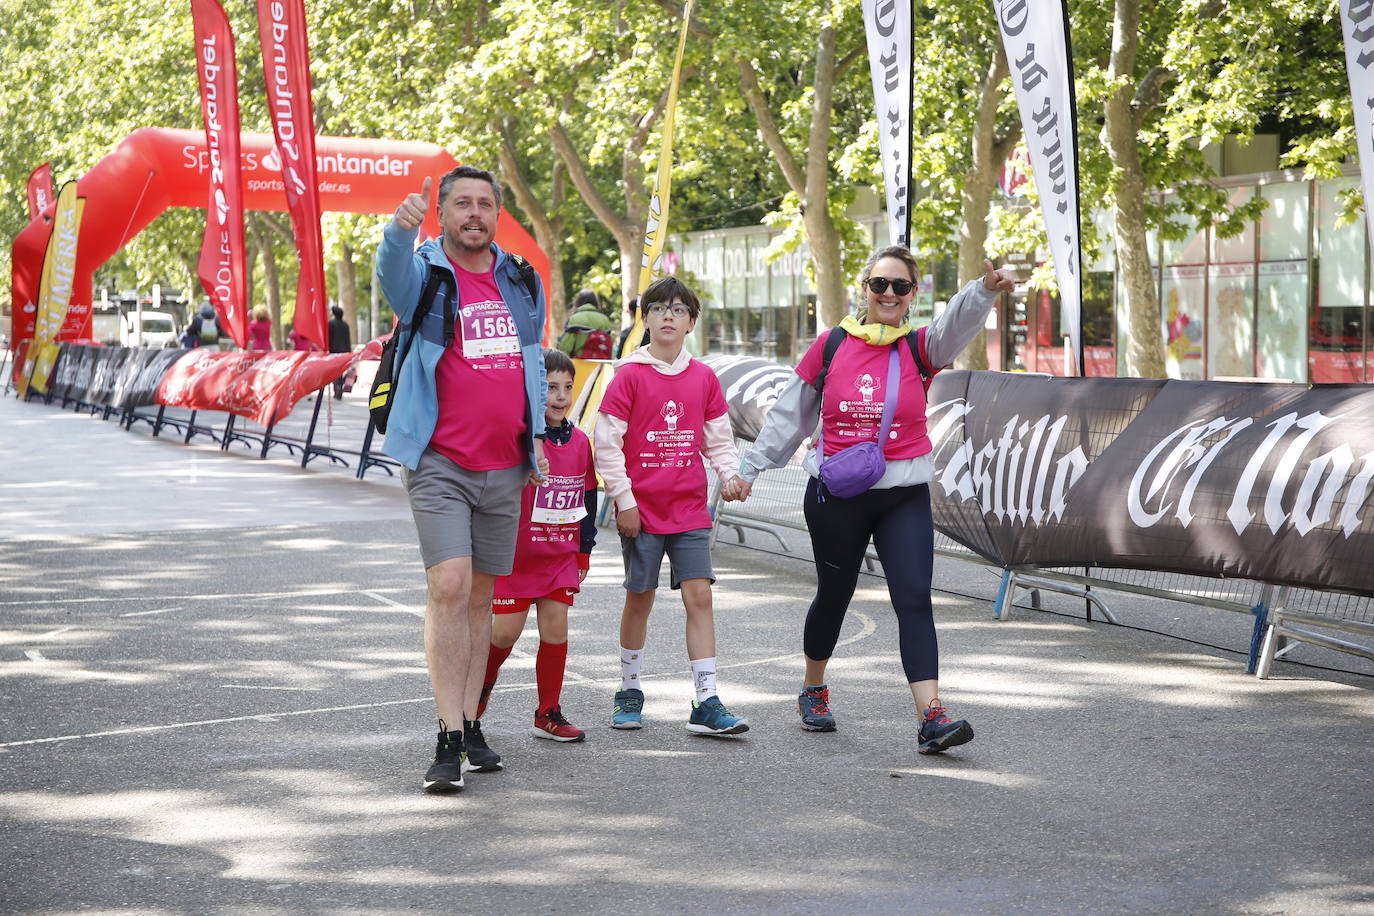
{"points": [[548, 672], [495, 656]]}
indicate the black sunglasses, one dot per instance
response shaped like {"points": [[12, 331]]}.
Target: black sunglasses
{"points": [[879, 285]]}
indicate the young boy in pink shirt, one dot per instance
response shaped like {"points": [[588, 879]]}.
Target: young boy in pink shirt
{"points": [[662, 412], [552, 555]]}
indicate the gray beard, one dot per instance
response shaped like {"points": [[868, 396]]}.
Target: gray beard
{"points": [[460, 243]]}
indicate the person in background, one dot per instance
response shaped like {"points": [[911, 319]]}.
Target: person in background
{"points": [[260, 329], [340, 341], [203, 331], [298, 340], [631, 307], [847, 398]]}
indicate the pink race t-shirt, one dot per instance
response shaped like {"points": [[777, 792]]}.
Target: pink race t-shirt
{"points": [[666, 430], [480, 381], [550, 523], [855, 389]]}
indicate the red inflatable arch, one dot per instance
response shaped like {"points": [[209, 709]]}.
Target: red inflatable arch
{"points": [[156, 168]]}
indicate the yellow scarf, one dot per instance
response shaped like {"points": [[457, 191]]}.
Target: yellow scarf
{"points": [[875, 333]]}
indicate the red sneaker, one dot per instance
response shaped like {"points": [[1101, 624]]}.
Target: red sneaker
{"points": [[551, 724]]}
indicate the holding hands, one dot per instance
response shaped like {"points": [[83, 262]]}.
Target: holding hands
{"points": [[413, 210], [999, 280], [736, 489]]}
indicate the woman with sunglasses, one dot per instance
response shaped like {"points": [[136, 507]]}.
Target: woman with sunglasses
{"points": [[895, 512]]}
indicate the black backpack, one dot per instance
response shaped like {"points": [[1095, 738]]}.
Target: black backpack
{"points": [[389, 369]]}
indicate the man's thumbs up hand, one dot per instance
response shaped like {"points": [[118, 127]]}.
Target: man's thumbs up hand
{"points": [[413, 210]]}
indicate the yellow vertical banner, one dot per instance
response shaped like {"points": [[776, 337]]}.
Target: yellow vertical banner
{"points": [[54, 290], [656, 229]]}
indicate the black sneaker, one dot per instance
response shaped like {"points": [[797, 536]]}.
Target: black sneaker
{"points": [[481, 759], [446, 774], [939, 732]]}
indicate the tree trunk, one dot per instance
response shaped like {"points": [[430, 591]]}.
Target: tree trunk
{"points": [[987, 154], [250, 258], [628, 230], [271, 280], [346, 275], [826, 255], [1120, 132], [548, 230], [810, 180]]}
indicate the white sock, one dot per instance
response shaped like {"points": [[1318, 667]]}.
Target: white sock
{"points": [[629, 667], [704, 674]]}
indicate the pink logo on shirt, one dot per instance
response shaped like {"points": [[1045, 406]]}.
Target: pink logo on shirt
{"points": [[671, 411], [867, 384]]}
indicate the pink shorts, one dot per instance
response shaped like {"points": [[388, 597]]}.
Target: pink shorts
{"points": [[519, 605]]}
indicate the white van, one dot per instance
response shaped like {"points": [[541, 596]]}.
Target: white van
{"points": [[159, 330]]}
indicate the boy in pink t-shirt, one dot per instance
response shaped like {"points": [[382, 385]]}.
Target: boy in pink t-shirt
{"points": [[552, 555], [662, 412]]}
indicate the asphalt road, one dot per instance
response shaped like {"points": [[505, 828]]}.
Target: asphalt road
{"points": [[215, 701]]}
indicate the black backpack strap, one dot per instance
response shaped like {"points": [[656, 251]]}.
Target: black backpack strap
{"points": [[528, 275], [437, 282], [916, 340], [832, 344]]}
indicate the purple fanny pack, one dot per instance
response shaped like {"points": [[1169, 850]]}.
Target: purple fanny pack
{"points": [[854, 470]]}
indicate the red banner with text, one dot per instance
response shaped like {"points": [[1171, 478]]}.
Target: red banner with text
{"points": [[286, 70], [222, 265], [263, 386], [41, 192]]}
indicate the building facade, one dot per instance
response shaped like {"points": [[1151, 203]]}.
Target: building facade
{"points": [[1287, 298]]}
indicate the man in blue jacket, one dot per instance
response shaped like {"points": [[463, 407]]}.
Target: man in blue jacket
{"points": [[462, 424]]}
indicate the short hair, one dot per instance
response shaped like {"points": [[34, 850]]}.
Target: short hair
{"points": [[666, 289], [586, 297], [467, 171], [336, 311], [558, 361], [260, 313], [900, 252]]}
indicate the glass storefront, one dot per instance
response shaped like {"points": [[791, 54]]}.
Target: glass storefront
{"points": [[1286, 298]]}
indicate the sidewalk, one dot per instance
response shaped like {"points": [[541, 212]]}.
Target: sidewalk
{"points": [[215, 701]]}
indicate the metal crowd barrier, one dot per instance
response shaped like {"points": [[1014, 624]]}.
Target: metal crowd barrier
{"points": [[300, 432], [1282, 614]]}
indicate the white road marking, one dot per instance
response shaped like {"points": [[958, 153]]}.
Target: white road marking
{"points": [[218, 596], [51, 633], [264, 687], [166, 610], [256, 717], [409, 609], [34, 655]]}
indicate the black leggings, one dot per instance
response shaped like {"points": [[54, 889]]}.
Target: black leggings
{"points": [[898, 521]]}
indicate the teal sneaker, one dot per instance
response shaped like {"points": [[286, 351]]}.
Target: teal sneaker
{"points": [[629, 709], [710, 717]]}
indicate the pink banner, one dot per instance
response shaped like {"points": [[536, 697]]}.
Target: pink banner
{"points": [[263, 386], [222, 266], [41, 193], [286, 69]]}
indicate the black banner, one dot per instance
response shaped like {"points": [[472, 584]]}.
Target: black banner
{"points": [[142, 373], [108, 364], [62, 379], [1255, 481]]}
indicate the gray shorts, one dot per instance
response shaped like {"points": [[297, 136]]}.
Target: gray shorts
{"points": [[689, 557], [462, 513]]}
